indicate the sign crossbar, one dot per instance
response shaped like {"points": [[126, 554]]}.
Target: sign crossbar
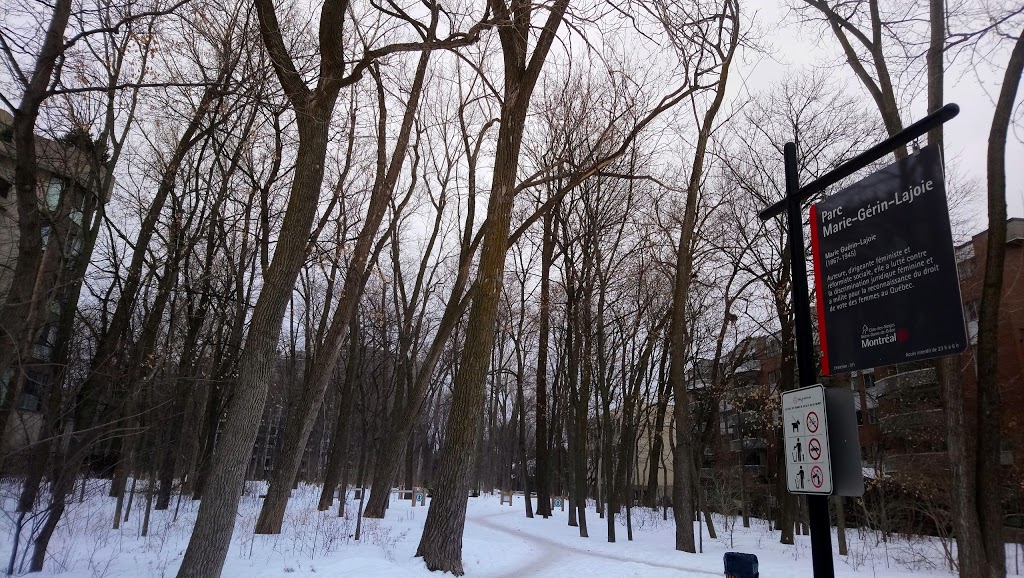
{"points": [[879, 151]]}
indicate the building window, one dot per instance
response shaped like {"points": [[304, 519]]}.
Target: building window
{"points": [[5, 188], [860, 417], [45, 344], [869, 380], [971, 310], [872, 415], [32, 395], [77, 205], [966, 261], [53, 191]]}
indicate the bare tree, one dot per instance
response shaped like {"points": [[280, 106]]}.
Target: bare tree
{"points": [[441, 543], [816, 116], [989, 420], [721, 41], [314, 109], [302, 414]]}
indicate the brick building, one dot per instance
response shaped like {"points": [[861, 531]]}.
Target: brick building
{"points": [[911, 431], [899, 407]]}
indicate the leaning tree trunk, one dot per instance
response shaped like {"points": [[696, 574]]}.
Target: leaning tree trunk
{"points": [[215, 522], [441, 543], [63, 484], [302, 416], [22, 297], [989, 478], [390, 456]]}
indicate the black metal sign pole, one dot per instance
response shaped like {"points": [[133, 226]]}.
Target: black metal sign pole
{"points": [[817, 506]]}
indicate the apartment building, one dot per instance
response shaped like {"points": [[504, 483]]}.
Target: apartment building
{"points": [[899, 407], [67, 201]]}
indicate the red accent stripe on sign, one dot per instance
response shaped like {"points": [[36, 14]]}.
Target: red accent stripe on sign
{"points": [[818, 289]]}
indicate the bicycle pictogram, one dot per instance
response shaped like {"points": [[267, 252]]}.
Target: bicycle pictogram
{"points": [[812, 422]]}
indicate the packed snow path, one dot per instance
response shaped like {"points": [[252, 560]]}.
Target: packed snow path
{"points": [[548, 559]]}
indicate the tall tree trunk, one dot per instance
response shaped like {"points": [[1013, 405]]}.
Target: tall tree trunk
{"points": [[709, 522], [837, 503], [963, 484], [989, 478], [204, 557], [122, 487], [607, 451], [679, 334], [521, 426], [441, 543], [302, 415], [22, 301], [150, 487], [658, 434], [544, 330], [211, 414], [577, 406], [579, 463], [970, 550]]}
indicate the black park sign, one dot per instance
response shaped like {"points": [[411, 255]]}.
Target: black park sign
{"points": [[884, 268]]}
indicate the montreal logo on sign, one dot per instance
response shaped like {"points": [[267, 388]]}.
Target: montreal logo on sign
{"points": [[884, 335]]}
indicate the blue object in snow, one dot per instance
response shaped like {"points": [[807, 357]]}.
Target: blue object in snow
{"points": [[740, 565]]}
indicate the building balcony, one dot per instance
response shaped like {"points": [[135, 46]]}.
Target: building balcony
{"points": [[755, 471], [749, 366], [904, 424], [748, 444], [919, 381], [752, 472]]}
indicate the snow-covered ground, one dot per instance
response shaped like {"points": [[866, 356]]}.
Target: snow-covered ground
{"points": [[499, 541]]}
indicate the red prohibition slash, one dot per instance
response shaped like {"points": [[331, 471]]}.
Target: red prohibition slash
{"points": [[812, 422], [817, 477], [814, 449]]}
